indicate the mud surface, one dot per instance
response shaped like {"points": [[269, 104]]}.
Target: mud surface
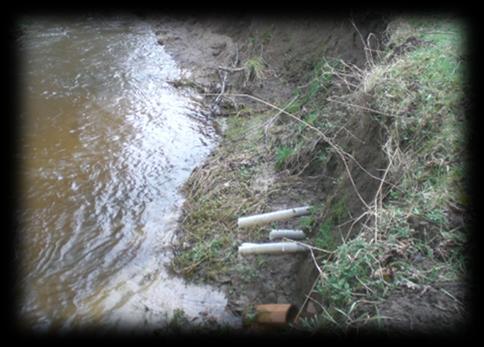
{"points": [[429, 310]]}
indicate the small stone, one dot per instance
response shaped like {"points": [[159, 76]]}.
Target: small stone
{"points": [[224, 279]]}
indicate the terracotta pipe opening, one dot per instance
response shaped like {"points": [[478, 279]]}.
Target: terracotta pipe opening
{"points": [[275, 314]]}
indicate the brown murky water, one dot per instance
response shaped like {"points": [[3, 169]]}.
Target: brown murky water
{"points": [[106, 144]]}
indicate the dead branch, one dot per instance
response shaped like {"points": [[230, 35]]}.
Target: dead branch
{"points": [[362, 107]]}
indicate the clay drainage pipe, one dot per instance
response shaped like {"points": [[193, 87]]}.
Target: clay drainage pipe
{"points": [[275, 314]]}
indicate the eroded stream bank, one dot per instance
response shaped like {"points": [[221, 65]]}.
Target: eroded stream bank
{"points": [[268, 58], [348, 115]]}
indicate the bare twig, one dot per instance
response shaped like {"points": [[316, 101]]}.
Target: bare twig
{"points": [[370, 35], [350, 321], [325, 311], [222, 89], [364, 285], [225, 74], [352, 135], [343, 76], [338, 150], [369, 58], [231, 69], [362, 107], [450, 295], [270, 121], [308, 246], [307, 298], [366, 213], [368, 173], [378, 200], [353, 68], [316, 263], [352, 182], [365, 320]]}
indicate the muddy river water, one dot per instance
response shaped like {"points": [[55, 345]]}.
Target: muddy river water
{"points": [[106, 144]]}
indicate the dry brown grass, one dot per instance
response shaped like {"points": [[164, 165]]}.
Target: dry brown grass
{"points": [[217, 193]]}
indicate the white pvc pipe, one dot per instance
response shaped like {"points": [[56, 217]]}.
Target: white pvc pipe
{"points": [[273, 216], [271, 248], [287, 233]]}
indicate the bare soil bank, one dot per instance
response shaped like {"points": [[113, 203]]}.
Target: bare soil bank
{"points": [[288, 46]]}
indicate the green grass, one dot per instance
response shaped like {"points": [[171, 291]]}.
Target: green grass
{"points": [[296, 144], [325, 238], [282, 156], [255, 68]]}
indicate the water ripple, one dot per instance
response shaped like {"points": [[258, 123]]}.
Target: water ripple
{"points": [[107, 142]]}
